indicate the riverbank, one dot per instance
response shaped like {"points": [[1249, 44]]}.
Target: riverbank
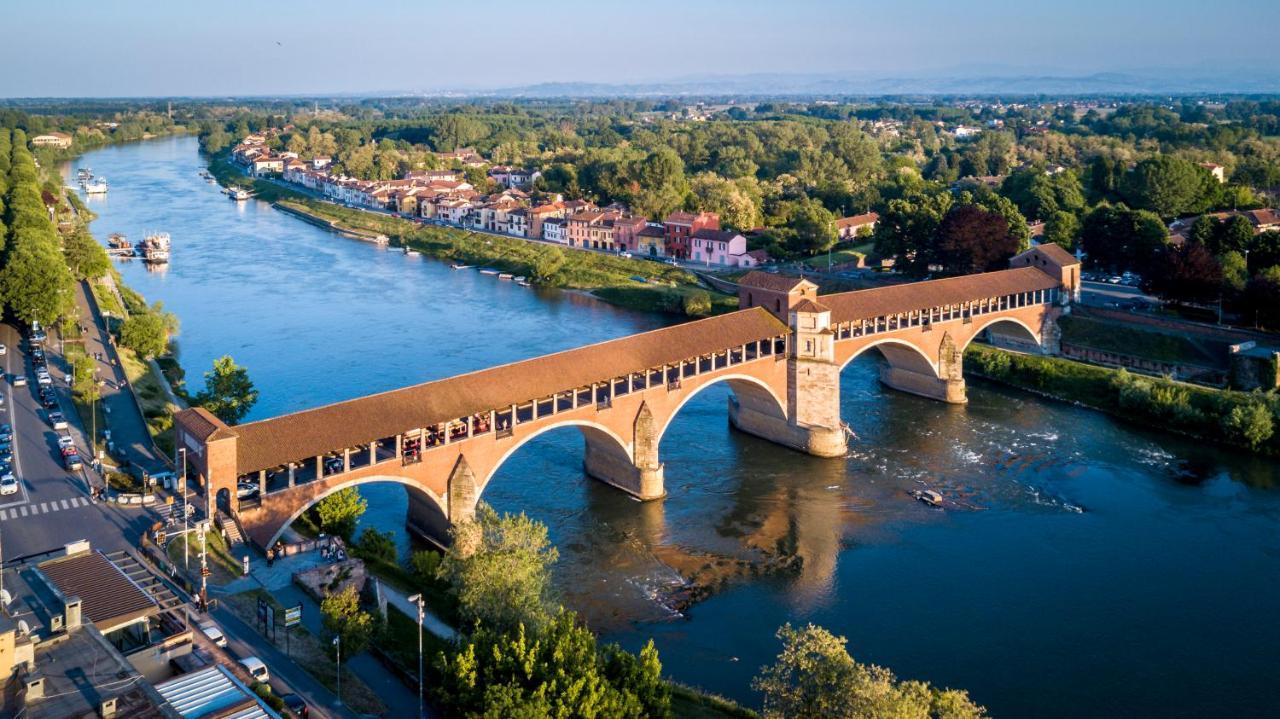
{"points": [[1240, 420], [631, 283]]}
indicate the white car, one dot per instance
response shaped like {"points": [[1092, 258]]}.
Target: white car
{"points": [[43, 378], [8, 484], [19, 380], [57, 420], [3, 350], [215, 634], [256, 668], [65, 441]]}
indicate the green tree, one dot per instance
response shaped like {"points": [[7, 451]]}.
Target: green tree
{"points": [[1168, 186], [85, 257], [1235, 275], [815, 678], [1062, 228], [340, 512], [229, 393], [34, 281], [547, 263], [376, 545], [1249, 424], [499, 568], [555, 672], [342, 617], [1118, 238], [814, 227], [1233, 235], [146, 334]]}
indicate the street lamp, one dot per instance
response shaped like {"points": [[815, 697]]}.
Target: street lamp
{"points": [[182, 487], [337, 650], [422, 611]]}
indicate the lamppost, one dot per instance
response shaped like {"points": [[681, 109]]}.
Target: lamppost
{"points": [[204, 568], [182, 487], [337, 650], [422, 611]]}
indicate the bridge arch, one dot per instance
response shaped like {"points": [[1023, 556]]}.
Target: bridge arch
{"points": [[1023, 332], [415, 489], [751, 392], [595, 435], [898, 353]]}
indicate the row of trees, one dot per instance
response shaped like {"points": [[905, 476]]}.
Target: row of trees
{"points": [[35, 282]]}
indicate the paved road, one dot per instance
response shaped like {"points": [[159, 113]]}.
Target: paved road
{"points": [[52, 506], [129, 431], [1101, 293]]}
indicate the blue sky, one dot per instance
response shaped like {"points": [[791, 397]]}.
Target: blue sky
{"points": [[226, 47]]}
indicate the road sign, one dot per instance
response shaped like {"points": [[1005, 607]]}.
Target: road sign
{"points": [[293, 616]]}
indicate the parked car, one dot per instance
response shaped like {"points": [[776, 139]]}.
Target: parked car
{"points": [[3, 350], [6, 431], [71, 460], [246, 490], [19, 380], [295, 704], [256, 668], [43, 378], [49, 401], [8, 484], [215, 634], [57, 421]]}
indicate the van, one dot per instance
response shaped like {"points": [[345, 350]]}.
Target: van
{"points": [[256, 668]]}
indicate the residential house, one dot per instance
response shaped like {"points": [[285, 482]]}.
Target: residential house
{"points": [[592, 229], [267, 165], [626, 231], [651, 241], [429, 176], [513, 176], [553, 230], [518, 222], [1218, 171], [680, 226], [319, 163], [724, 248], [848, 228], [52, 139], [540, 214]]}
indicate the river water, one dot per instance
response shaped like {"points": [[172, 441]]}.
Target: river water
{"points": [[1083, 567]]}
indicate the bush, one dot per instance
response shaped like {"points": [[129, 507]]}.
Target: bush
{"points": [[375, 544], [1249, 424], [268, 696], [697, 303]]}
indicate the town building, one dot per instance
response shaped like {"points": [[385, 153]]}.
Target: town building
{"points": [[848, 228], [680, 226], [1218, 171], [554, 230], [60, 140], [722, 248]]}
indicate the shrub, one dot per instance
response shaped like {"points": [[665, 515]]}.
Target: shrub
{"points": [[378, 545], [1248, 424]]}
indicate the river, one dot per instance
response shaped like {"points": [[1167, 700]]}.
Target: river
{"points": [[1085, 567]]}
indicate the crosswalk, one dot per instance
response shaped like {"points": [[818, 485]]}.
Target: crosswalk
{"points": [[37, 508]]}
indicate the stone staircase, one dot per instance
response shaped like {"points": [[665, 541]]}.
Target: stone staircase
{"points": [[231, 528]]}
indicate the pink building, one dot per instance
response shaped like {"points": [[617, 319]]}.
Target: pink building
{"points": [[724, 248]]}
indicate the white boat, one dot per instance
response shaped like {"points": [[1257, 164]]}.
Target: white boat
{"points": [[461, 267], [506, 276], [523, 283], [238, 193], [488, 272], [413, 253], [521, 278], [97, 186], [84, 173], [155, 248]]}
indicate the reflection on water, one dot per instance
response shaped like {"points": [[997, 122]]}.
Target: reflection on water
{"points": [[1079, 567]]}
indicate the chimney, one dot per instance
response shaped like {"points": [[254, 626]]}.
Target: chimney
{"points": [[107, 708], [72, 609], [34, 686]]}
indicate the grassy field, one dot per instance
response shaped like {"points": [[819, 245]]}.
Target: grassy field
{"points": [[308, 652], [151, 394], [222, 564], [688, 703], [1130, 340], [838, 257]]}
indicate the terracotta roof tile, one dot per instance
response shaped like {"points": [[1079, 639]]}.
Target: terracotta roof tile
{"points": [[203, 425], [866, 304], [770, 281], [273, 442]]}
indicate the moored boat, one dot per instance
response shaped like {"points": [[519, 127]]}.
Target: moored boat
{"points": [[155, 248], [97, 186]]}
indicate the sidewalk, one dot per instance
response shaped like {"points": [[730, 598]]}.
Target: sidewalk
{"points": [[129, 432], [277, 579]]}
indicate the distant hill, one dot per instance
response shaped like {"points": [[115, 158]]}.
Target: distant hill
{"points": [[1108, 83]]}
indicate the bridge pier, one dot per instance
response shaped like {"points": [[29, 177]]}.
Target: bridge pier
{"points": [[641, 474], [946, 385]]}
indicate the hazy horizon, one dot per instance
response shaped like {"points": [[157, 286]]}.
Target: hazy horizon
{"points": [[236, 48]]}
